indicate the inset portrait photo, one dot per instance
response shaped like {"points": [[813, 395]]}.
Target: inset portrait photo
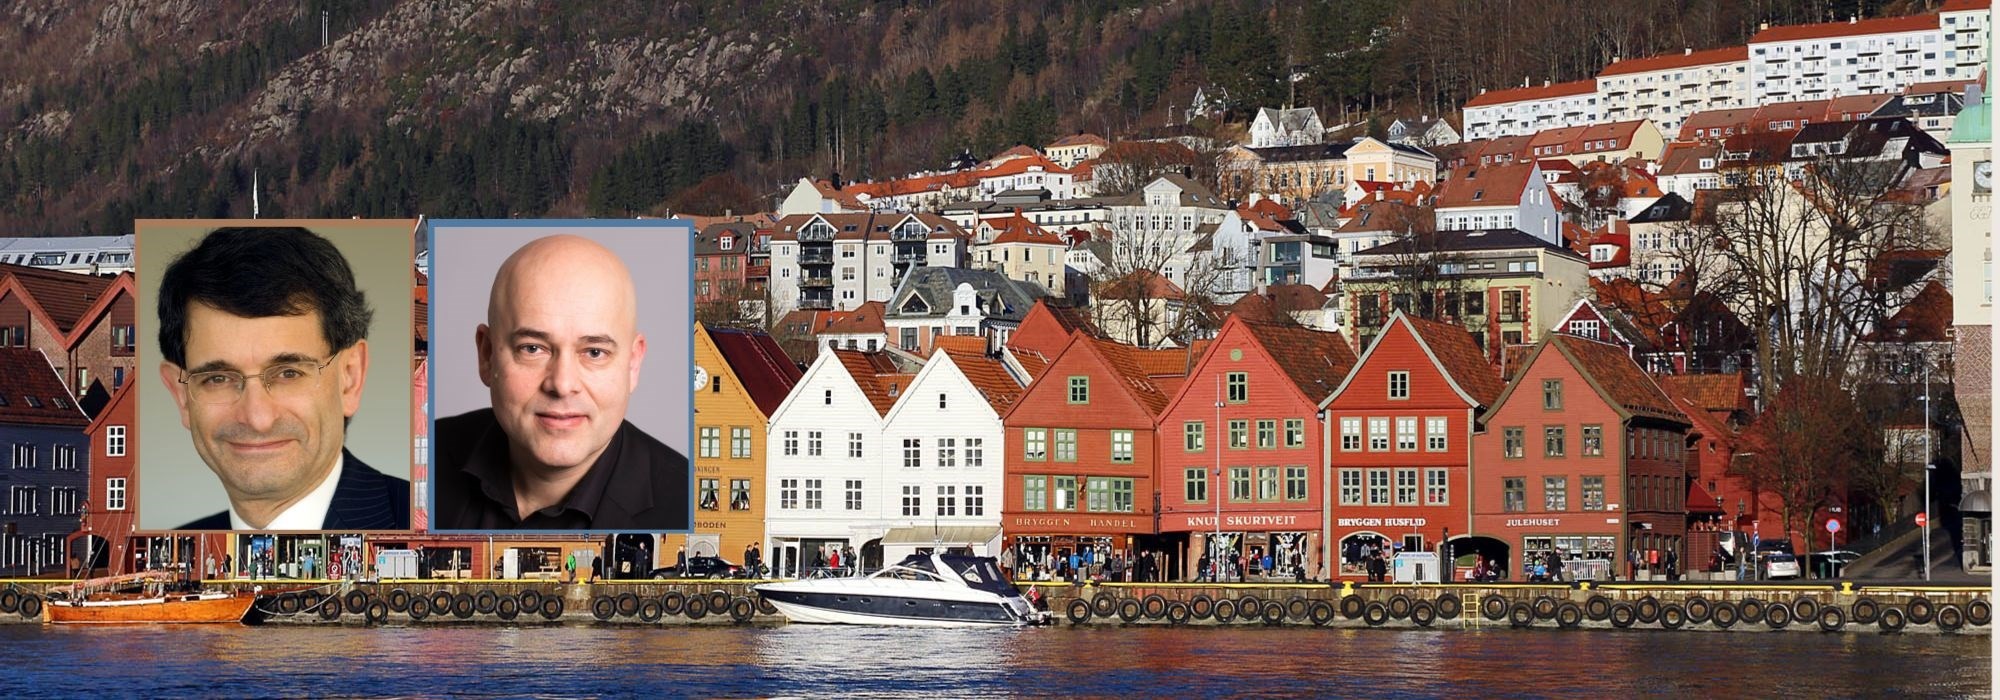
{"points": [[275, 360], [560, 352]]}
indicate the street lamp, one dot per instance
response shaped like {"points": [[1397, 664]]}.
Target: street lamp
{"points": [[1737, 535], [1926, 524], [1215, 495]]}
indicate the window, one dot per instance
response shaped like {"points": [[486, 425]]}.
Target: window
{"points": [[975, 500], [1514, 494], [788, 494], [114, 441], [1295, 432], [711, 442], [827, 399], [975, 452], [65, 459], [25, 456], [1079, 390], [1378, 487], [947, 501], [815, 490], [1350, 487], [739, 494], [23, 501], [1593, 493], [1437, 487], [1267, 434], [1239, 386], [739, 443], [1194, 436], [1406, 434], [1065, 493], [913, 453], [913, 500], [947, 452], [1295, 483], [1555, 493], [1267, 483], [1195, 484], [1399, 385], [791, 443], [813, 443], [1034, 444], [1239, 434], [1378, 435], [1552, 440], [1434, 434], [1121, 446], [1239, 483], [1406, 487], [854, 445], [1514, 443], [1350, 434], [114, 493], [1065, 444], [1552, 394], [710, 498], [1593, 441]]}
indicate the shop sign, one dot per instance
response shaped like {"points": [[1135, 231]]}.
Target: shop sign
{"points": [[1534, 522], [1382, 522]]}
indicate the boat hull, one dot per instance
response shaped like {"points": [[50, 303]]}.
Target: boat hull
{"points": [[177, 609], [896, 608]]}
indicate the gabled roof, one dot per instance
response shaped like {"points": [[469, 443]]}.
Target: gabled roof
{"points": [[1459, 357], [1620, 381], [1386, 216], [1459, 240], [1696, 125], [1485, 186], [1156, 286], [761, 367], [1314, 361], [1686, 159], [1707, 392], [64, 296], [32, 394], [1541, 92], [1150, 375], [1018, 229], [877, 376], [1006, 299], [1292, 119], [1852, 27], [866, 318], [988, 375], [1925, 319], [1079, 140], [1305, 153], [1685, 59]]}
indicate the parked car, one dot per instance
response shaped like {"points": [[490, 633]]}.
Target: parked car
{"points": [[1832, 562], [702, 567], [1778, 564]]}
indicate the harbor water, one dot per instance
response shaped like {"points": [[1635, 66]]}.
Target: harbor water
{"points": [[624, 660]]}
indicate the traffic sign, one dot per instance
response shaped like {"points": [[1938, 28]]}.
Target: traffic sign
{"points": [[1833, 526], [1921, 519]]}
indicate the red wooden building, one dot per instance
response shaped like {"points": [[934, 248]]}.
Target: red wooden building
{"points": [[1080, 451], [1399, 432], [1584, 455], [1242, 439]]}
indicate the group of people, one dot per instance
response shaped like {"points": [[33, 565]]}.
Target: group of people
{"points": [[1238, 566], [1085, 564]]}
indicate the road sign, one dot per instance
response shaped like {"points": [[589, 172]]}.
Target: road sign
{"points": [[1921, 519], [1832, 526]]}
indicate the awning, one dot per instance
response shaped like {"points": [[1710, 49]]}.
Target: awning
{"points": [[1700, 501], [948, 535], [1976, 502]]}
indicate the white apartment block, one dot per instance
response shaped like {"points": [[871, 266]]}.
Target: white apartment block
{"points": [[1967, 26], [1821, 61], [1528, 109], [1666, 89]]}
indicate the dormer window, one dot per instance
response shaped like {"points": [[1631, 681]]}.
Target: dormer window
{"points": [[728, 242]]}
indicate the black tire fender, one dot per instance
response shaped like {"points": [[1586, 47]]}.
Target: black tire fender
{"points": [[1521, 615], [1623, 615], [1831, 618], [1449, 607], [1321, 612], [1078, 611], [1422, 613], [1375, 614], [603, 608], [1569, 616]]}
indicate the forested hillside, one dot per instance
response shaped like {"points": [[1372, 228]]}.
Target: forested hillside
{"points": [[116, 109]]}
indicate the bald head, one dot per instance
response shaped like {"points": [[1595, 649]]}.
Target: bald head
{"points": [[561, 350]]}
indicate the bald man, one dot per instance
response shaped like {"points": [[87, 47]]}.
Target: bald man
{"points": [[560, 352]]}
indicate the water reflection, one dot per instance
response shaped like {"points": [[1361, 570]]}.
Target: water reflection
{"points": [[816, 661]]}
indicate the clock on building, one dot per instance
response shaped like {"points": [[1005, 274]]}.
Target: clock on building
{"points": [[700, 377]]}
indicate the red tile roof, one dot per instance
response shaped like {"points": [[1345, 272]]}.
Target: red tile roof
{"points": [[866, 318], [987, 375], [876, 374], [1612, 371], [1707, 392], [1150, 375], [1829, 30], [1671, 61], [1315, 361], [1157, 286], [1926, 319], [1018, 229], [759, 364], [64, 296], [1541, 92], [1965, 5], [32, 394], [1460, 358], [1080, 140], [1032, 361], [1485, 186], [1696, 126]]}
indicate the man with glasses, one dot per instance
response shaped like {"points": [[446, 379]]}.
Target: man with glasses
{"points": [[263, 340]]}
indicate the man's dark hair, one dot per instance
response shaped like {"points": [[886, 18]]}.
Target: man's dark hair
{"points": [[258, 272]]}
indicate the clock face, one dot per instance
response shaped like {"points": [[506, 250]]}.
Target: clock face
{"points": [[1982, 176], [700, 377]]}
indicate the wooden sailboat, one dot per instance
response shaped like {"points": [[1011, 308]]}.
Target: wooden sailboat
{"points": [[110, 600]]}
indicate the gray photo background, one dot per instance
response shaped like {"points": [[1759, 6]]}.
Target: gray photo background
{"points": [[466, 254], [175, 486]]}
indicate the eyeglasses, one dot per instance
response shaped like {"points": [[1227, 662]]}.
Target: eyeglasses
{"points": [[282, 381]]}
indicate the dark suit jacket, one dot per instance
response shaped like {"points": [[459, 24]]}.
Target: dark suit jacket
{"points": [[646, 487], [364, 499]]}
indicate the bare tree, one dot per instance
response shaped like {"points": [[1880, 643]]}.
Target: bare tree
{"points": [[1792, 258], [1804, 448], [1150, 288]]}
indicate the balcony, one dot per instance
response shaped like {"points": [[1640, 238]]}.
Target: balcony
{"points": [[908, 258], [1908, 48], [816, 257], [816, 303], [756, 272], [1511, 316], [816, 282]]}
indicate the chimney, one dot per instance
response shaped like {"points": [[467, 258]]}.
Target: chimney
{"points": [[1851, 19], [1685, 51], [1761, 26], [1256, 197]]}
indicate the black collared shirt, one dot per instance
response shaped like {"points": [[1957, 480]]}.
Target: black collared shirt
{"points": [[636, 483]]}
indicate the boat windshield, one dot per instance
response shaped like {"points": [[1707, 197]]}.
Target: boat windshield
{"points": [[981, 573]]}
